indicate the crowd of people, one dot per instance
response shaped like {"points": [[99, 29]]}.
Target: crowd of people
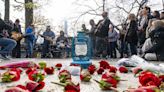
{"points": [[142, 34], [139, 35], [11, 36]]}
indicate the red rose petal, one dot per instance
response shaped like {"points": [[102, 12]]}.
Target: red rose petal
{"points": [[40, 86], [49, 70], [123, 69], [104, 64]]}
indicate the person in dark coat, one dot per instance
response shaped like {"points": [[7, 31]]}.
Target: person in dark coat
{"points": [[131, 37], [157, 38], [17, 50], [101, 33]]}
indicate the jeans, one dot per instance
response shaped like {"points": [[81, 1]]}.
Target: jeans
{"points": [[132, 47], [30, 45], [7, 45], [112, 49], [46, 47], [122, 49]]}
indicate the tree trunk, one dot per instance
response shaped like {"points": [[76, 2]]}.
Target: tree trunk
{"points": [[7, 10], [28, 14]]}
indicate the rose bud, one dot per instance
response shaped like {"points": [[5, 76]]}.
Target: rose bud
{"points": [[42, 65], [16, 69], [34, 86], [30, 69], [91, 69], [36, 76], [64, 75], [149, 79], [49, 70], [104, 64], [100, 70], [107, 75], [112, 69], [58, 66], [108, 84], [71, 87], [123, 69], [85, 76], [10, 76]]}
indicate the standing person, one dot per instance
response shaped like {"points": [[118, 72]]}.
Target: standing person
{"points": [[7, 44], [48, 36], [92, 36], [131, 37], [30, 39], [143, 24], [17, 50], [101, 33], [112, 39], [122, 42]]}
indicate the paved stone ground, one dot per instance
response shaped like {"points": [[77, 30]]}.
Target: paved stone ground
{"points": [[85, 87]]}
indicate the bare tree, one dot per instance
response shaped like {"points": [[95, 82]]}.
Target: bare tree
{"points": [[30, 17], [7, 10]]}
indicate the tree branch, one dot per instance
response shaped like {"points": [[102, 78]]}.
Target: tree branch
{"points": [[18, 2]]}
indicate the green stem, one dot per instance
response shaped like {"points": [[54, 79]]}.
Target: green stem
{"points": [[60, 84]]}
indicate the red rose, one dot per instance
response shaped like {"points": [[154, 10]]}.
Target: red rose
{"points": [[161, 77], [100, 70], [148, 78], [123, 69], [107, 75], [91, 69], [16, 69], [112, 69], [15, 74], [72, 88], [108, 84], [10, 76], [49, 70], [36, 76], [40, 86], [111, 81], [30, 69], [64, 75], [104, 64], [58, 66], [34, 86], [110, 75], [85, 76]]}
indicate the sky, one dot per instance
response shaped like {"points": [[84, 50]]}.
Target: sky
{"points": [[57, 11]]}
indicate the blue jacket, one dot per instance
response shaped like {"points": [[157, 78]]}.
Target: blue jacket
{"points": [[29, 34]]}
